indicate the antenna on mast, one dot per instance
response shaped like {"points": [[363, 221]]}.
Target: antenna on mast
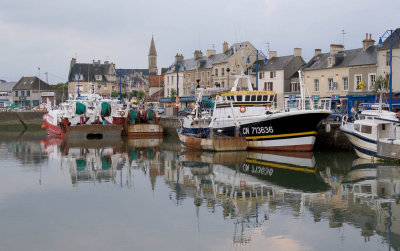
{"points": [[343, 33], [267, 45]]}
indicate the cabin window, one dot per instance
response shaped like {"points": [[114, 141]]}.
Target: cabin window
{"points": [[239, 98], [265, 98], [253, 97], [247, 98], [357, 127], [366, 129], [233, 98], [259, 97], [383, 127], [228, 97]]}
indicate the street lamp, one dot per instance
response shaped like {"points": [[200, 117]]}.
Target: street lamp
{"points": [[265, 60], [390, 32], [228, 70], [177, 82]]}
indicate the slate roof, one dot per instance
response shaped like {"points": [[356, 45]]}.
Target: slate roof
{"points": [[144, 72], [395, 41], [345, 58], [275, 63], [7, 86], [31, 83], [90, 70]]}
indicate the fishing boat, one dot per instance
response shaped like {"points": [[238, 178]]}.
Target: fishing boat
{"points": [[143, 122], [263, 125], [196, 132], [87, 116], [374, 134]]}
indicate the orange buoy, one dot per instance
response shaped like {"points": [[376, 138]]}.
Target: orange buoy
{"points": [[43, 126]]}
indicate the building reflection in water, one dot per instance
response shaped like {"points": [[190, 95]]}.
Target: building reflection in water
{"points": [[250, 187]]}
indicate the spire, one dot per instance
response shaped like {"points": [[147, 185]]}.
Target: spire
{"points": [[152, 51]]}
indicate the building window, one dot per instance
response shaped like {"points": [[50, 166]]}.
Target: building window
{"points": [[316, 85], [294, 87], [388, 58], [172, 79], [223, 84], [99, 77], [216, 72], [260, 75], [22, 93], [222, 72], [269, 86], [357, 80], [272, 74], [28, 93], [330, 84], [371, 81], [16, 93], [345, 84], [202, 76], [208, 75], [189, 78]]}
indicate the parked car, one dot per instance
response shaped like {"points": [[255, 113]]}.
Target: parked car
{"points": [[160, 110], [336, 115]]}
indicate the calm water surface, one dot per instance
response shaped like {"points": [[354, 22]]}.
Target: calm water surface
{"points": [[151, 195]]}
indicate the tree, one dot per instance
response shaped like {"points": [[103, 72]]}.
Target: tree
{"points": [[173, 95], [140, 94], [60, 86], [114, 94], [381, 84]]}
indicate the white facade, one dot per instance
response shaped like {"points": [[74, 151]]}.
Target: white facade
{"points": [[170, 80], [384, 66], [276, 79]]}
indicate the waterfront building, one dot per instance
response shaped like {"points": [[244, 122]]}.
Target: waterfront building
{"points": [[6, 93], [93, 77], [105, 78], [276, 75], [384, 60], [212, 70], [32, 91], [341, 78]]}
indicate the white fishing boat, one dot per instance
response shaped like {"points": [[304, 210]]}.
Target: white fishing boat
{"points": [[263, 125], [374, 134]]}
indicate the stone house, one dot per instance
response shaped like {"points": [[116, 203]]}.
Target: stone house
{"points": [[342, 78], [275, 74], [32, 91], [212, 70], [96, 77]]}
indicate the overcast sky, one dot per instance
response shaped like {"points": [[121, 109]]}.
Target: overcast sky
{"points": [[48, 33]]}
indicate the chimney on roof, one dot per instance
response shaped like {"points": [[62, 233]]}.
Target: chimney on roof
{"points": [[198, 54], [106, 62], [210, 53], [317, 52], [367, 42], [73, 61], [225, 47], [272, 54], [335, 48], [297, 52], [178, 57]]}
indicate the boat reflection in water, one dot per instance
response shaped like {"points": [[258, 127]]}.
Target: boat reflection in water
{"points": [[100, 160], [244, 183], [251, 188]]}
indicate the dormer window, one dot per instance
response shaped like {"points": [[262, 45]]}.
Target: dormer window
{"points": [[98, 77], [331, 61]]}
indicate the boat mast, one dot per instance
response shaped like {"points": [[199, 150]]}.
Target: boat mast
{"points": [[302, 96]]}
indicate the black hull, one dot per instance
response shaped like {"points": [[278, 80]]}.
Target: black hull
{"points": [[288, 128]]}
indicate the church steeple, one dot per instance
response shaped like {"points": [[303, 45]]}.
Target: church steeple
{"points": [[152, 58]]}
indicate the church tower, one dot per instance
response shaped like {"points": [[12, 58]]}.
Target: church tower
{"points": [[152, 58]]}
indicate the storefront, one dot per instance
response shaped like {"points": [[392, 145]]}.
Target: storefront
{"points": [[357, 99]]}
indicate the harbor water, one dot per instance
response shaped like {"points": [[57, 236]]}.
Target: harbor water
{"points": [[149, 194]]}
